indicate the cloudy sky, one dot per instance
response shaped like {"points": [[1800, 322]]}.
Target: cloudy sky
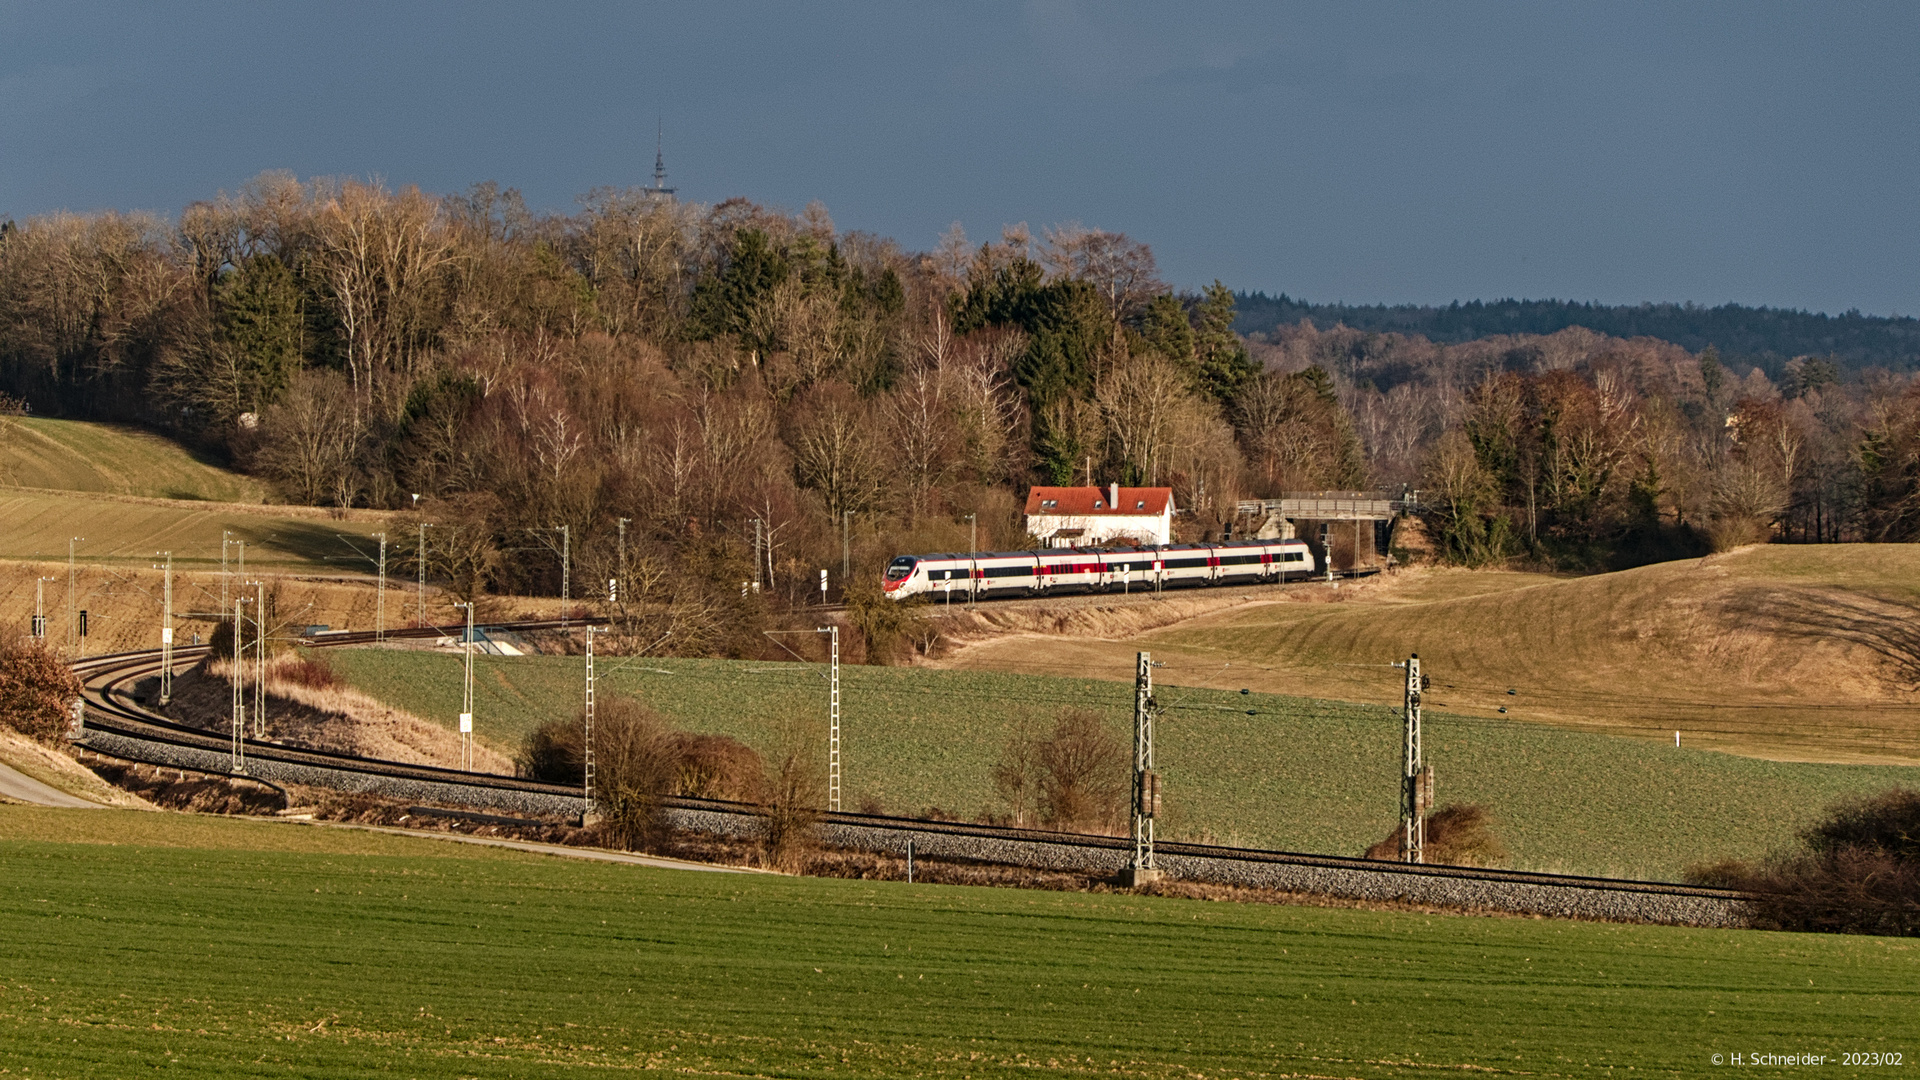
{"points": [[1755, 152]]}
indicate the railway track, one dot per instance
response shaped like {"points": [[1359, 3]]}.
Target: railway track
{"points": [[117, 724]]}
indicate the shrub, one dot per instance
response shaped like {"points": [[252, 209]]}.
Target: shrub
{"points": [[552, 752], [1075, 778], [311, 672], [37, 691], [794, 794], [636, 755], [1016, 777], [1459, 834], [1856, 872], [717, 767], [703, 766]]}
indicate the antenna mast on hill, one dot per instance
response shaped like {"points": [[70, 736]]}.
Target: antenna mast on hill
{"points": [[660, 188]]}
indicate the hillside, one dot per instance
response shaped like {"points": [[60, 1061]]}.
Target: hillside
{"points": [[1764, 337], [75, 455], [1801, 653], [121, 528]]}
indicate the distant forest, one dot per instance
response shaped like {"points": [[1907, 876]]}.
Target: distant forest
{"points": [[1764, 337]]}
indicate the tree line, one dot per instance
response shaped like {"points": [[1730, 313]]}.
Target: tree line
{"points": [[712, 397], [1761, 336]]}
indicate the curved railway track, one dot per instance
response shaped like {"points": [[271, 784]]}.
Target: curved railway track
{"points": [[117, 724]]}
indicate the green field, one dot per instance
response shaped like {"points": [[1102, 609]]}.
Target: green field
{"points": [[1299, 774], [75, 455], [217, 948]]}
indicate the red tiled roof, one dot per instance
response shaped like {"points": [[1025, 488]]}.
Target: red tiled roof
{"points": [[1080, 501]]}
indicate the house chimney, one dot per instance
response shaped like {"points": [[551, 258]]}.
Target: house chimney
{"points": [[1113, 496]]}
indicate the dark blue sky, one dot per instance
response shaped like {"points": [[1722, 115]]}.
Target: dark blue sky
{"points": [[1759, 153]]}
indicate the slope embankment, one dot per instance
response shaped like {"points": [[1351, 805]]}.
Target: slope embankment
{"points": [[1808, 653]]}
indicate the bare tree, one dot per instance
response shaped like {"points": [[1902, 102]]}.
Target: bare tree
{"points": [[310, 438]]}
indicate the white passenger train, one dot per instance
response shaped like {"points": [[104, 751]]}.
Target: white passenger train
{"points": [[1037, 573]]}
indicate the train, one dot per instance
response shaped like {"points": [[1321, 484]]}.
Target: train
{"points": [[990, 574]]}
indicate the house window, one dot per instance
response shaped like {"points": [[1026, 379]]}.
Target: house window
{"points": [[1097, 504], [1140, 505], [1048, 504]]}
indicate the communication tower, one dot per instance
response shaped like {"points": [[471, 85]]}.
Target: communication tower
{"points": [[660, 190]]}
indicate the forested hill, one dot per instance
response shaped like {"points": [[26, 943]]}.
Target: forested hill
{"points": [[1762, 336]]}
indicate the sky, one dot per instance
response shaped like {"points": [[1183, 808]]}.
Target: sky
{"points": [[1759, 153]]}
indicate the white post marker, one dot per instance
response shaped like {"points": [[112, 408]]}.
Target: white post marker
{"points": [[823, 586]]}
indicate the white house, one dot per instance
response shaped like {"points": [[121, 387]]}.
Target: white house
{"points": [[1090, 516]]}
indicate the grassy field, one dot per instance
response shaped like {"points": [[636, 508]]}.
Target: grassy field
{"points": [[75, 455], [123, 528], [217, 948], [1298, 774], [1795, 652]]}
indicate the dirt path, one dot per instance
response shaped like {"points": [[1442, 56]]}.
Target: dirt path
{"points": [[20, 787]]}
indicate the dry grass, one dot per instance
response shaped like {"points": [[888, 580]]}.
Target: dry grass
{"points": [[57, 769], [80, 455], [1796, 653], [335, 718]]}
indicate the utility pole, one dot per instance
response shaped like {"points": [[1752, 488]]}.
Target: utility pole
{"points": [[1146, 782], [1416, 780], [973, 545], [466, 696], [621, 523], [40, 608], [239, 752], [420, 592], [259, 660], [846, 547], [225, 580], [73, 605], [757, 526], [833, 716], [380, 595], [587, 813], [166, 633]]}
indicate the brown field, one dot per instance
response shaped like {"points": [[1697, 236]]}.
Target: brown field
{"points": [[1800, 653]]}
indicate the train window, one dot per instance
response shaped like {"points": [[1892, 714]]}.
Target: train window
{"points": [[901, 569], [1292, 556]]}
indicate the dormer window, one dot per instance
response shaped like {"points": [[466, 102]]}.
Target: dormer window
{"points": [[1048, 504], [1097, 504], [1140, 505]]}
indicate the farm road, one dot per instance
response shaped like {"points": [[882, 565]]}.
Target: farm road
{"points": [[23, 788]]}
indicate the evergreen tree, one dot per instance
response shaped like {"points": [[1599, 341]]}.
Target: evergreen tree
{"points": [[1224, 366]]}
